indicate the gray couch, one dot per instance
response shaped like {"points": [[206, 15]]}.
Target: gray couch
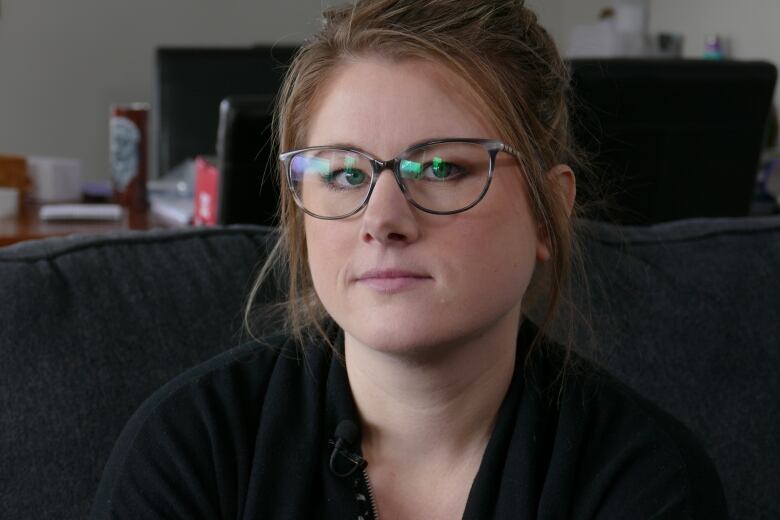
{"points": [[686, 313]]}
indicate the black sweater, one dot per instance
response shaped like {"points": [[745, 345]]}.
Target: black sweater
{"points": [[249, 435]]}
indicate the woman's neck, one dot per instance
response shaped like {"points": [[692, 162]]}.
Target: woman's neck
{"points": [[441, 409]]}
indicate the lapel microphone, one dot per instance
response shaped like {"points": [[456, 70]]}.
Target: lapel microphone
{"points": [[343, 461]]}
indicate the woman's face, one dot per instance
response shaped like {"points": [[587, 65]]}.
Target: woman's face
{"points": [[471, 269]]}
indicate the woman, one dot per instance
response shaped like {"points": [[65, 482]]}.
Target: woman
{"points": [[425, 146]]}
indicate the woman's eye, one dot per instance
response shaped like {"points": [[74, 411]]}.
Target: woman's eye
{"points": [[346, 178], [354, 177], [440, 169]]}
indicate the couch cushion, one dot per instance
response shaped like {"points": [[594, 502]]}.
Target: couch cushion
{"points": [[90, 327], [687, 313]]}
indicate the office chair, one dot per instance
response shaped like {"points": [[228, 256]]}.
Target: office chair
{"points": [[248, 189]]}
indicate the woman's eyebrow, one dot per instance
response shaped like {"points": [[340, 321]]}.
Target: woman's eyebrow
{"points": [[340, 144], [412, 144]]}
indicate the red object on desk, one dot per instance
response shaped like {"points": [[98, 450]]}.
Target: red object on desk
{"points": [[206, 192]]}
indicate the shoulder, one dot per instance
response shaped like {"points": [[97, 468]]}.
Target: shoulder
{"points": [[633, 460], [247, 372], [201, 428]]}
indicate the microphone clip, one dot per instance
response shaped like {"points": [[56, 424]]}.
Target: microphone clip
{"points": [[343, 461]]}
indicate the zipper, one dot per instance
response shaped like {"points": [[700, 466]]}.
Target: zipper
{"points": [[346, 435], [371, 498]]}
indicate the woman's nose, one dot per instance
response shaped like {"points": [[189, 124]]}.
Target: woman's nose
{"points": [[388, 217]]}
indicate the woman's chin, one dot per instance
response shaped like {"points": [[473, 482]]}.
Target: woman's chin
{"points": [[419, 347]]}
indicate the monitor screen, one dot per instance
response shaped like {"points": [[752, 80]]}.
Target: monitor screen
{"points": [[190, 85], [671, 139]]}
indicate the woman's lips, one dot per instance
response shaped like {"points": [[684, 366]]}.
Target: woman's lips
{"points": [[392, 280]]}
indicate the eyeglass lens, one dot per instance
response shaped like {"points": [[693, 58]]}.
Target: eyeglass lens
{"points": [[439, 177]]}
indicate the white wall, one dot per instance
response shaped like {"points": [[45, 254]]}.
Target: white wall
{"points": [[63, 63]]}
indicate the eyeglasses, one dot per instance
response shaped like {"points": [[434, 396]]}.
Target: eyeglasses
{"points": [[443, 176]]}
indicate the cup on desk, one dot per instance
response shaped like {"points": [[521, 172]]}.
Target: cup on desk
{"points": [[54, 179], [9, 202]]}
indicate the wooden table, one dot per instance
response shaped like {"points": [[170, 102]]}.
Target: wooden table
{"points": [[27, 226]]}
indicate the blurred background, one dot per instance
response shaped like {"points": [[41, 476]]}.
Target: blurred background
{"points": [[63, 65]]}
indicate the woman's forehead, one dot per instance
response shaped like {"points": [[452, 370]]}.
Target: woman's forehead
{"points": [[377, 103]]}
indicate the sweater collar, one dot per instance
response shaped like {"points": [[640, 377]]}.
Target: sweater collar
{"points": [[484, 494]]}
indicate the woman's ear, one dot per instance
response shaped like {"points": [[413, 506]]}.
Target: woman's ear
{"points": [[566, 186]]}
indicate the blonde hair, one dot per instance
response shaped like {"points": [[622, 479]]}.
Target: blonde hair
{"points": [[514, 70]]}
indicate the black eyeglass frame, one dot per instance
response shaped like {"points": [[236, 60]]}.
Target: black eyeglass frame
{"points": [[492, 147]]}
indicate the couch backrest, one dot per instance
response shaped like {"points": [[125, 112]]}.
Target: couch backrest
{"points": [[90, 327], [684, 312], [688, 313]]}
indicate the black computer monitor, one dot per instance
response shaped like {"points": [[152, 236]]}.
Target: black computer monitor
{"points": [[190, 85], [672, 139]]}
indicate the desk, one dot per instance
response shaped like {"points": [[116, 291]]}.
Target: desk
{"points": [[27, 226]]}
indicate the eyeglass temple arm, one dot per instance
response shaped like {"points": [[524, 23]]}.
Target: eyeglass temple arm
{"points": [[508, 149]]}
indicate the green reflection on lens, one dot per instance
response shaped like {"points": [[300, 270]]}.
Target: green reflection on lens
{"points": [[411, 169], [353, 175], [439, 167], [322, 167]]}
